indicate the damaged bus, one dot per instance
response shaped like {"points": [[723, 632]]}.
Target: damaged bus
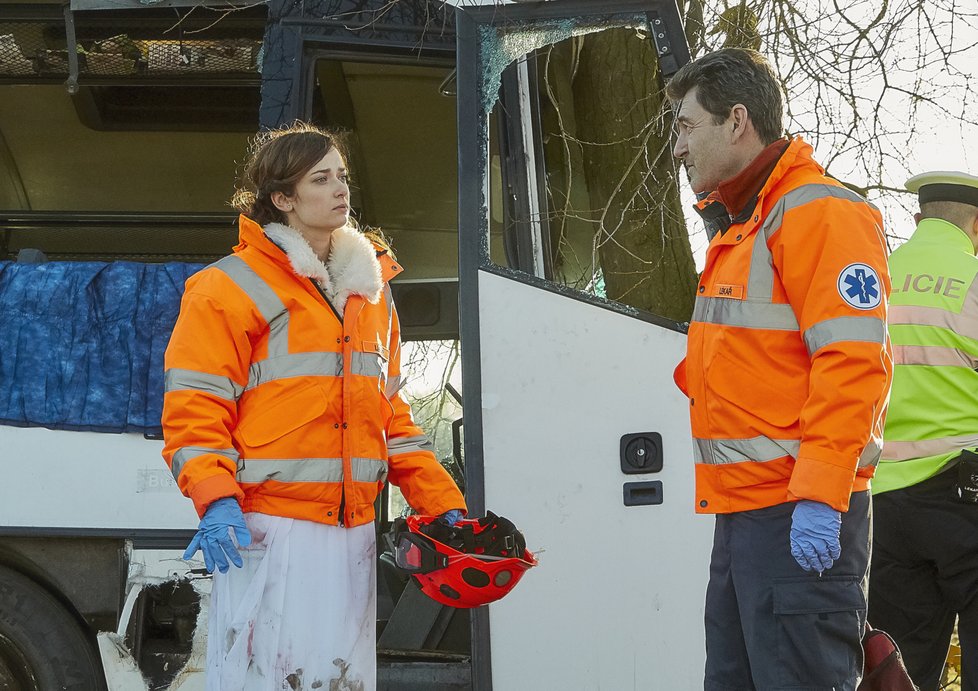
{"points": [[512, 154]]}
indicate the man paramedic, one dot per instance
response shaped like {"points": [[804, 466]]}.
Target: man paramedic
{"points": [[787, 372]]}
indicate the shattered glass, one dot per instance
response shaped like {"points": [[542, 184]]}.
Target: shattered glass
{"points": [[502, 47], [598, 131]]}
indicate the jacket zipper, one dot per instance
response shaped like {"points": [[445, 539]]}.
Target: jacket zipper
{"points": [[342, 510], [327, 301]]}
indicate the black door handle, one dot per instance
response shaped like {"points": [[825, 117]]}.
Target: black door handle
{"points": [[642, 493]]}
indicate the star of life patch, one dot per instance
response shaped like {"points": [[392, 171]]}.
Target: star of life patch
{"points": [[859, 285]]}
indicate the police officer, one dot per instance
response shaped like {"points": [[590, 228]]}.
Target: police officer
{"points": [[925, 551]]}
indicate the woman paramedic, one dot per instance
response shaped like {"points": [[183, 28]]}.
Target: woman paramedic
{"points": [[283, 419]]}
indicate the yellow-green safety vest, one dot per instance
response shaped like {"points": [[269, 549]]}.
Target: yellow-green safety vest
{"points": [[933, 325]]}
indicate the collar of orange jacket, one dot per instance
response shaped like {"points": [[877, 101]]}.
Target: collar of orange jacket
{"points": [[738, 192], [797, 155], [250, 234]]}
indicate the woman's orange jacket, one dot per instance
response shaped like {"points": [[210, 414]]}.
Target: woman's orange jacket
{"points": [[272, 399], [788, 364]]}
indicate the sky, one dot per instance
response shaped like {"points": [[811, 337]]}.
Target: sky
{"points": [[941, 142]]}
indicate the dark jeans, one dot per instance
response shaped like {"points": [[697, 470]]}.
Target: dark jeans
{"points": [[770, 625], [925, 571]]}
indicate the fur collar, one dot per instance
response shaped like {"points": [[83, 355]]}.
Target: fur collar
{"points": [[351, 268]]}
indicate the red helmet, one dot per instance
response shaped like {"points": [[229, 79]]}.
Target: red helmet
{"points": [[472, 563]]}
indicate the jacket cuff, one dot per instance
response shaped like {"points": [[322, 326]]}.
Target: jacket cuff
{"points": [[822, 480], [445, 504], [215, 487]]}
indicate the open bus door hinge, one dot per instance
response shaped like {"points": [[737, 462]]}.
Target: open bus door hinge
{"points": [[663, 47], [72, 83]]}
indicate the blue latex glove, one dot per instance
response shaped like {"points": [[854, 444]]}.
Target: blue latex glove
{"points": [[815, 535], [213, 536], [451, 517]]}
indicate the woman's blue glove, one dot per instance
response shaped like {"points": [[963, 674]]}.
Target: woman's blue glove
{"points": [[451, 517], [815, 535], [213, 536]]}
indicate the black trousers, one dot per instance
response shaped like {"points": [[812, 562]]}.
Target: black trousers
{"points": [[772, 626], [924, 572]]}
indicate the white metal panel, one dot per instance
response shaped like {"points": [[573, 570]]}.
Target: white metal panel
{"points": [[64, 479], [617, 600]]}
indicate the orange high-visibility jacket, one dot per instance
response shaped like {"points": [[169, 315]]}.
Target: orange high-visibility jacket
{"points": [[271, 398], [788, 364]]}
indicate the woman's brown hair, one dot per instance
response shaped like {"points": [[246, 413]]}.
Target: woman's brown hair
{"points": [[276, 162]]}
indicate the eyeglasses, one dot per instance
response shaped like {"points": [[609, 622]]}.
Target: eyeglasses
{"points": [[684, 127]]}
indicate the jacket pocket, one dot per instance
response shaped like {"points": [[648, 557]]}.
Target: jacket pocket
{"points": [[378, 349], [737, 386], [819, 631], [283, 414]]}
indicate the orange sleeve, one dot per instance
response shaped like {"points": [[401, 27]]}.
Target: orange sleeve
{"points": [[831, 256], [206, 364], [679, 376], [412, 464]]}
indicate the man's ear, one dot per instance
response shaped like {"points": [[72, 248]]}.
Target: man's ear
{"points": [[281, 201], [740, 119], [917, 216]]}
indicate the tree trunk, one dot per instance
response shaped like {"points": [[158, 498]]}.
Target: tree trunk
{"points": [[623, 120]]}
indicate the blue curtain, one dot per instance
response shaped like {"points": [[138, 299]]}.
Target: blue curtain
{"points": [[81, 343]]}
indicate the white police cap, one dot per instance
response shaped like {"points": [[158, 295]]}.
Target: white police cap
{"points": [[945, 186]]}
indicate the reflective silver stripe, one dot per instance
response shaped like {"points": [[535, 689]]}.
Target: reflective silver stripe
{"points": [[272, 309], [866, 329], [934, 356], [963, 324], [906, 450], [295, 365], [746, 314], [395, 351], [312, 365], [187, 453], [310, 470], [394, 384], [760, 279], [810, 193], [408, 445], [760, 282], [757, 449], [871, 454], [367, 364], [763, 449], [389, 302], [189, 380]]}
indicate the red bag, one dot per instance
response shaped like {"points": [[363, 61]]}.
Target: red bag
{"points": [[883, 668]]}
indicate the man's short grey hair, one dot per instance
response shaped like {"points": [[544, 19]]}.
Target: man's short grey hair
{"points": [[730, 76]]}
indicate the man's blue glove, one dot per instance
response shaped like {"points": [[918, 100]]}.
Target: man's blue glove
{"points": [[451, 517], [815, 535], [213, 536]]}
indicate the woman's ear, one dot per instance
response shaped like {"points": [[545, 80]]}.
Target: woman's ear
{"points": [[281, 201]]}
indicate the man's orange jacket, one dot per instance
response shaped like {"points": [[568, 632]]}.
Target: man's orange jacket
{"points": [[788, 364], [274, 399]]}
